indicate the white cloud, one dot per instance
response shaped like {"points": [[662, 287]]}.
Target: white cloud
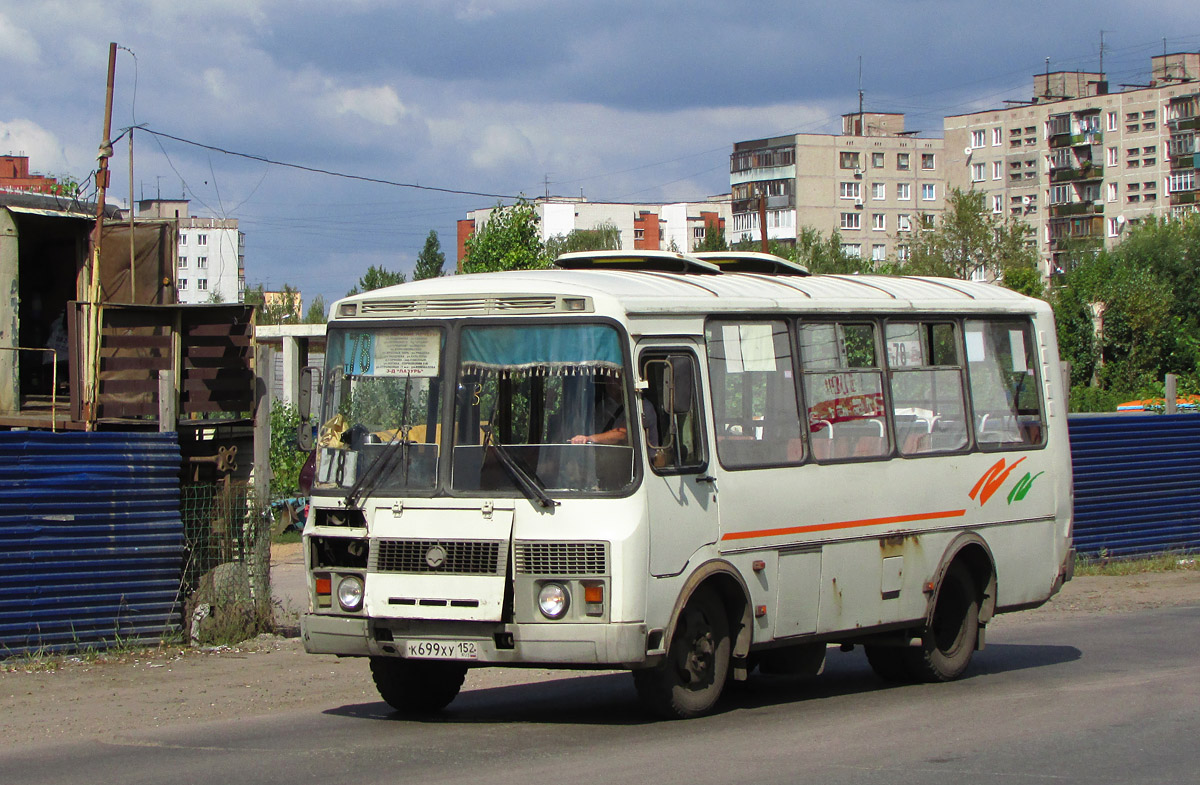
{"points": [[24, 137], [378, 105], [501, 146], [17, 44]]}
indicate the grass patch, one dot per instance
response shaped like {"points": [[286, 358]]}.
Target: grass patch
{"points": [[1164, 562], [284, 538]]}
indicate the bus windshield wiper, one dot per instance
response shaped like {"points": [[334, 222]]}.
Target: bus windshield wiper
{"points": [[526, 482], [382, 464]]}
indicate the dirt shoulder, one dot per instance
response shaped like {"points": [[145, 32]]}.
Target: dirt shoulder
{"points": [[75, 698]]}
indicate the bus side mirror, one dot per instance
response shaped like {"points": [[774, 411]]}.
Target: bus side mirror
{"points": [[304, 438], [680, 385]]}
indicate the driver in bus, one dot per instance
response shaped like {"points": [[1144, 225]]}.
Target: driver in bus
{"points": [[610, 413]]}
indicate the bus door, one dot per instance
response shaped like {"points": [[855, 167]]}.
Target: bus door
{"points": [[681, 494]]}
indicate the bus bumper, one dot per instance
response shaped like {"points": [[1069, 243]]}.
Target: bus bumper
{"points": [[616, 645]]}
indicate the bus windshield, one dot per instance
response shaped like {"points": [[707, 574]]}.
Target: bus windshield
{"points": [[381, 409], [553, 396]]}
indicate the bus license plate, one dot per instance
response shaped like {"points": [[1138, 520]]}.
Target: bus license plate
{"points": [[442, 650]]}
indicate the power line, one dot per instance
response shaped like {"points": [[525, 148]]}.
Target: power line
{"points": [[329, 172]]}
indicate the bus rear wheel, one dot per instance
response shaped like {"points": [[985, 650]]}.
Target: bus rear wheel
{"points": [[949, 641], [417, 686], [689, 680]]}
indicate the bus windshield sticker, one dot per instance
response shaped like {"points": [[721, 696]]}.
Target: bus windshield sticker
{"points": [[395, 353]]}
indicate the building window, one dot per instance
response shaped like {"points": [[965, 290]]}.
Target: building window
{"points": [[902, 253], [182, 262], [878, 191], [849, 190], [977, 173], [878, 253], [1113, 157], [997, 170], [202, 239], [639, 234], [853, 250], [977, 138], [904, 222], [878, 221], [1111, 121], [903, 191], [851, 220], [201, 262], [877, 160], [183, 238], [1182, 181], [927, 220], [182, 284], [698, 233], [902, 161], [849, 160], [927, 161], [997, 136], [928, 192], [1060, 194], [1114, 227], [1112, 192], [202, 284], [998, 203]]}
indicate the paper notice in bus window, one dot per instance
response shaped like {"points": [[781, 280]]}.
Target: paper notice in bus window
{"points": [[732, 341], [1016, 340], [407, 353], [758, 347], [975, 347], [904, 352]]}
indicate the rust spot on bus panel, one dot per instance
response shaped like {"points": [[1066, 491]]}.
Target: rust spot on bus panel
{"points": [[898, 544]]}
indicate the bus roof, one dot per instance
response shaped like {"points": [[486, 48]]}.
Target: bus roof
{"points": [[650, 292]]}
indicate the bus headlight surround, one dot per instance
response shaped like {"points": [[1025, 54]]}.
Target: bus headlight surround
{"points": [[554, 600], [350, 592]]}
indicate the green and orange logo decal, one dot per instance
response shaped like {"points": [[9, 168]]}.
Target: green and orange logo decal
{"points": [[995, 477]]}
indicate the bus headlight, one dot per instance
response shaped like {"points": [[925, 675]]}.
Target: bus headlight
{"points": [[350, 592], [553, 600]]}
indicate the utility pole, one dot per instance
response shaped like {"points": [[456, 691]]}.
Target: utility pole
{"points": [[91, 373], [762, 217]]}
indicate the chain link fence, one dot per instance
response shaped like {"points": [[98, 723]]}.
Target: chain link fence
{"points": [[226, 576]]}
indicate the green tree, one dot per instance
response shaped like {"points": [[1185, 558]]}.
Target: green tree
{"points": [[824, 255], [316, 311], [274, 307], [968, 239], [602, 237], [431, 260], [714, 238], [376, 278], [508, 241]]}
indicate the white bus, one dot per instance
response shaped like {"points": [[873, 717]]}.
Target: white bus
{"points": [[656, 463]]}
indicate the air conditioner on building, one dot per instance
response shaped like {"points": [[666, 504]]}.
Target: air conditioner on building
{"points": [[858, 172], [858, 202]]}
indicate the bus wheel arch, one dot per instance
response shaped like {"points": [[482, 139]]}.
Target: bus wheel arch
{"points": [[972, 551], [708, 635]]}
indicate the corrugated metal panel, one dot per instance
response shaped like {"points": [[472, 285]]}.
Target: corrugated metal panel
{"points": [[91, 541], [1136, 484]]}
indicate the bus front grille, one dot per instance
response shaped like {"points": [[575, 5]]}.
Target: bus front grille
{"points": [[562, 558], [461, 305], [451, 557]]}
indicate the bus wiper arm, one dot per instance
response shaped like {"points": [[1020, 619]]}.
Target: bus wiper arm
{"points": [[527, 483]]}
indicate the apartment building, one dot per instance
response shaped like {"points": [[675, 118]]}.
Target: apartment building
{"points": [[211, 262], [871, 184], [642, 226], [15, 177], [1077, 161]]}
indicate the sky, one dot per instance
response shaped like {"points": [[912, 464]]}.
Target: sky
{"points": [[479, 101]]}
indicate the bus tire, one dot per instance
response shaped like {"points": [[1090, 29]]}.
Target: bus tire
{"points": [[417, 686], [689, 680], [949, 641]]}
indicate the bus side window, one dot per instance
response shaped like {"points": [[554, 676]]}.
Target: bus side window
{"points": [[1005, 393], [671, 414]]}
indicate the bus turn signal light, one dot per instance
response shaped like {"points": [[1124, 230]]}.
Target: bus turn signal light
{"points": [[593, 593]]}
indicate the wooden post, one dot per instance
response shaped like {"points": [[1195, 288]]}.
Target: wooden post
{"points": [[168, 409], [1170, 394], [264, 365]]}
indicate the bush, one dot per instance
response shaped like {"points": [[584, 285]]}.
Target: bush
{"points": [[286, 457]]}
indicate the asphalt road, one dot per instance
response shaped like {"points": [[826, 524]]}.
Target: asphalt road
{"points": [[1092, 700]]}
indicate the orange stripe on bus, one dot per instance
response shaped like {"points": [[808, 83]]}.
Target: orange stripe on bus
{"points": [[822, 527]]}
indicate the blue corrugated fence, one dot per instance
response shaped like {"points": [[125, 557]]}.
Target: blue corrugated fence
{"points": [[1136, 484], [91, 541]]}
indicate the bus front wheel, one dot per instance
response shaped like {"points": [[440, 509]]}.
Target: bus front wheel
{"points": [[417, 686], [689, 680]]}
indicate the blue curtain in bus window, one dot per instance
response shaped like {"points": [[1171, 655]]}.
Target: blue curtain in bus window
{"points": [[548, 349]]}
